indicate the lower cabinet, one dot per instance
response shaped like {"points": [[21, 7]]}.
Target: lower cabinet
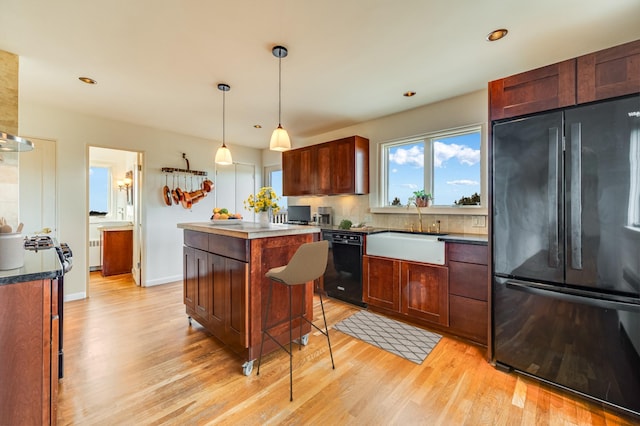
{"points": [[29, 324], [415, 290], [453, 297], [469, 291], [215, 293]]}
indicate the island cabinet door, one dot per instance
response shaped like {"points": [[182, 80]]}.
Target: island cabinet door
{"points": [[218, 290], [236, 325], [381, 282], [425, 292], [190, 277]]}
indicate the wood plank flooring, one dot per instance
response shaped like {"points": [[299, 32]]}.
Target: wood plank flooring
{"points": [[132, 358]]}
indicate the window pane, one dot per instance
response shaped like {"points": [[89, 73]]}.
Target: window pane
{"points": [[405, 171], [456, 168], [275, 178], [99, 189]]}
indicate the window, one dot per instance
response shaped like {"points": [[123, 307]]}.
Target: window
{"points": [[99, 189], [452, 172], [273, 178]]}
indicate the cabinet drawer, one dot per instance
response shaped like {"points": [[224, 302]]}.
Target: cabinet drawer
{"points": [[471, 253], [468, 318], [195, 239], [468, 280], [235, 248]]}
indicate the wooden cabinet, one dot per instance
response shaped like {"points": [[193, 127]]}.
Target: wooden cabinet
{"points": [[381, 284], [298, 172], [468, 291], [609, 73], [196, 282], [418, 291], [550, 87], [600, 75], [29, 324], [117, 251], [215, 292], [425, 292], [330, 168]]}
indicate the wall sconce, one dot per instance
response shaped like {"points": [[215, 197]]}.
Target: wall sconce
{"points": [[125, 184]]}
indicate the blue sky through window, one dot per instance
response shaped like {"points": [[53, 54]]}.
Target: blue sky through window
{"points": [[99, 189], [456, 168]]}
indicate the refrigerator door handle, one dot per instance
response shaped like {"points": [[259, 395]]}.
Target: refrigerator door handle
{"points": [[576, 196], [552, 194], [571, 296]]}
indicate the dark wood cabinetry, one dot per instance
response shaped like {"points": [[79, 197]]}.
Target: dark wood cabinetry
{"points": [[215, 288], [425, 292], [600, 75], [117, 251], [418, 291], [468, 291], [225, 288], [298, 172], [330, 168], [381, 285], [545, 88], [29, 324], [453, 298], [609, 73]]}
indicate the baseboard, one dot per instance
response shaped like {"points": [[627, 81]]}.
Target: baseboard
{"points": [[75, 296], [163, 280]]}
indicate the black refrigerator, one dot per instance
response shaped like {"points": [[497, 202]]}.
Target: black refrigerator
{"points": [[566, 249]]}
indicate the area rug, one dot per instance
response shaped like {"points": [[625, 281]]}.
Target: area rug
{"points": [[401, 339]]}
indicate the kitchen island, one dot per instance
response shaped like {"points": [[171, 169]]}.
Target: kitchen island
{"points": [[225, 288]]}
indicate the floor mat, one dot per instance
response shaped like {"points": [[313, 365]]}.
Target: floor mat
{"points": [[404, 340]]}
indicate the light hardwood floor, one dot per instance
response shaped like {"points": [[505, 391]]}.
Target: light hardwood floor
{"points": [[132, 358]]}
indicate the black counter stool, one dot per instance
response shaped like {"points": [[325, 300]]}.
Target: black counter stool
{"points": [[308, 263]]}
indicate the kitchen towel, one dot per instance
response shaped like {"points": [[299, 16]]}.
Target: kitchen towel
{"points": [[409, 342]]}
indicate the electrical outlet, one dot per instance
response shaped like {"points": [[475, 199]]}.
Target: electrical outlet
{"points": [[478, 221]]}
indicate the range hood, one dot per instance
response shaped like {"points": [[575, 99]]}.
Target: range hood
{"points": [[11, 143]]}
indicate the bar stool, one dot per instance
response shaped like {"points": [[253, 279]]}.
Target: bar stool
{"points": [[308, 263]]}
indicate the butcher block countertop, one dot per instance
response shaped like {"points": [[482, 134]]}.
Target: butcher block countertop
{"points": [[249, 230]]}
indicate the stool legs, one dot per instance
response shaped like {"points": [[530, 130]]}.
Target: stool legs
{"points": [[265, 331]]}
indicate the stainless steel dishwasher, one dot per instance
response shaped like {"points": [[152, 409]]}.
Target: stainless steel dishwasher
{"points": [[343, 278]]}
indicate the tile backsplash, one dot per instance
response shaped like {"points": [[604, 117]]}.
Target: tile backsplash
{"points": [[356, 209]]}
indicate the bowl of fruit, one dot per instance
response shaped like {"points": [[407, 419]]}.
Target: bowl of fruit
{"points": [[224, 217]]}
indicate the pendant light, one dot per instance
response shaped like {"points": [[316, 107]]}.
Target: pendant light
{"points": [[223, 155], [280, 138]]}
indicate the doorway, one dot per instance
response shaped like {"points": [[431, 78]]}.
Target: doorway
{"points": [[114, 238]]}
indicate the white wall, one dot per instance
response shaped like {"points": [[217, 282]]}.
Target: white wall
{"points": [[74, 133]]}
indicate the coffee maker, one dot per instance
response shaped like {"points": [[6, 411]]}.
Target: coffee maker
{"points": [[324, 216]]}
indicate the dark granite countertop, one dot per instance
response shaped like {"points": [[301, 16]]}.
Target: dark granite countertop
{"points": [[43, 264]]}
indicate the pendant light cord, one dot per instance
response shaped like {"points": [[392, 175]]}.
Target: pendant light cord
{"points": [[224, 97], [279, 91]]}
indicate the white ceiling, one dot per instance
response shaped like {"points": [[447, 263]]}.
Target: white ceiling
{"points": [[158, 62]]}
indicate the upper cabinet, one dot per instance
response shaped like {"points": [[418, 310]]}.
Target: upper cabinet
{"points": [[604, 74], [550, 87], [330, 168], [609, 73]]}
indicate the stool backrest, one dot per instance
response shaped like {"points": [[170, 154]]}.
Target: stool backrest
{"points": [[308, 263]]}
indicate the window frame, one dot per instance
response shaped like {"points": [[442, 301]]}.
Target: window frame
{"points": [[428, 139]]}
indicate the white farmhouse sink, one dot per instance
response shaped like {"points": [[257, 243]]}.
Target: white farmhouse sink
{"points": [[413, 247]]}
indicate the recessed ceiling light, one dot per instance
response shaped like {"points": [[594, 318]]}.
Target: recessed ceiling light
{"points": [[257, 126], [496, 34], [409, 94], [87, 80]]}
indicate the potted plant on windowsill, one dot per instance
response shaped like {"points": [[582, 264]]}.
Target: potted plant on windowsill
{"points": [[421, 199]]}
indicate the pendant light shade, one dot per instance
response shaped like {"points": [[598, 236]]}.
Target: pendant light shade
{"points": [[280, 138], [223, 155]]}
